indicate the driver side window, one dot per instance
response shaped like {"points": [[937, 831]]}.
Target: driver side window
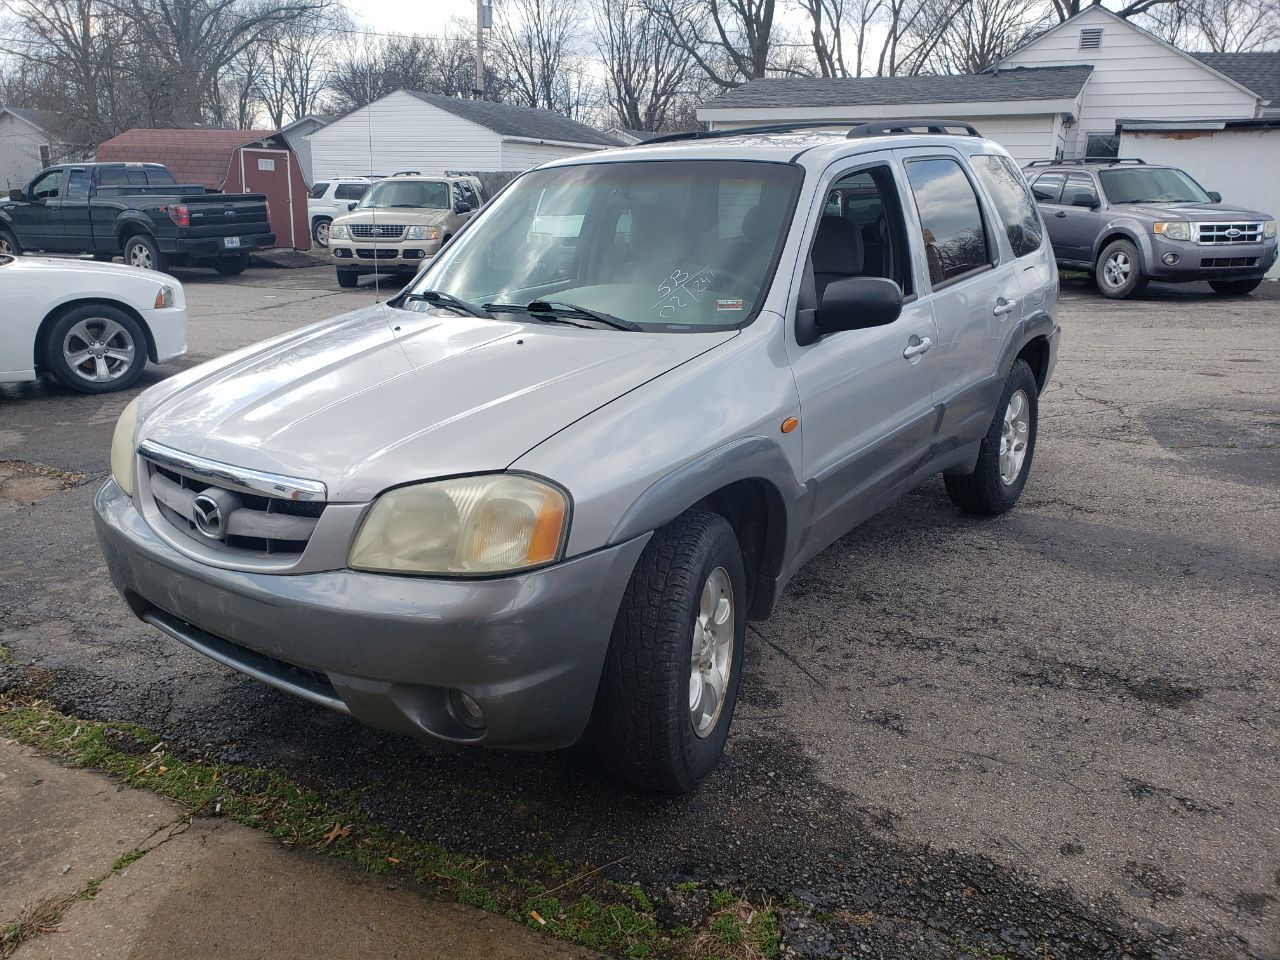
{"points": [[47, 187]]}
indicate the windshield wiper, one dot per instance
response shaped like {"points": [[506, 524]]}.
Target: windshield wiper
{"points": [[438, 298], [557, 308]]}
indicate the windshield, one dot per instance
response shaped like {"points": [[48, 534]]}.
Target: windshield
{"points": [[671, 245], [385, 194], [1159, 185]]}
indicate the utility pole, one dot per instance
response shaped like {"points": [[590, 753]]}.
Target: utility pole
{"points": [[484, 20]]}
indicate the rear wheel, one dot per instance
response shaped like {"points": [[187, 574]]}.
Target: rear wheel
{"points": [[1119, 271], [348, 278], [9, 244], [1235, 288], [1004, 458], [95, 349], [140, 250], [231, 266], [320, 232], [670, 679]]}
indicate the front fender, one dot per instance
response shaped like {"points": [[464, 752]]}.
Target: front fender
{"points": [[1132, 230]]}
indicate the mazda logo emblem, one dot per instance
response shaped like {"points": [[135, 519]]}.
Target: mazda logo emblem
{"points": [[208, 517]]}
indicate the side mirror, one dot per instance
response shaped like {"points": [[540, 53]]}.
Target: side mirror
{"points": [[462, 207], [16, 196], [352, 205], [1089, 200], [1215, 196], [857, 303]]}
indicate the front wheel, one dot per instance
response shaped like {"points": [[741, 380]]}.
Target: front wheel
{"points": [[1235, 288], [348, 279], [1004, 458], [95, 349], [9, 244], [1119, 271], [231, 266], [670, 679]]}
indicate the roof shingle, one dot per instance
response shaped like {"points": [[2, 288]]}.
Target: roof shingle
{"points": [[193, 156], [1260, 72], [512, 121]]}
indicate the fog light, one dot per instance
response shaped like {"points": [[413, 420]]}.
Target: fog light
{"points": [[343, 254], [1171, 258], [467, 710]]}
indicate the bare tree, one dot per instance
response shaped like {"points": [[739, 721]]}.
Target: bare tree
{"points": [[731, 41], [1222, 26], [1065, 9], [982, 31], [645, 76], [533, 41], [368, 69], [826, 33]]}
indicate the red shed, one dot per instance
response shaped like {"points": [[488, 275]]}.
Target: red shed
{"points": [[230, 161]]}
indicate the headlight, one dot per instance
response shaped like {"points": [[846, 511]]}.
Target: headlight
{"points": [[423, 233], [123, 450], [468, 526], [1173, 229], [164, 297], [338, 231], [1268, 228]]}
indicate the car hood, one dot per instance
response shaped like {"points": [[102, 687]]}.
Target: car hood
{"points": [[89, 270], [395, 215], [1193, 211], [382, 396]]}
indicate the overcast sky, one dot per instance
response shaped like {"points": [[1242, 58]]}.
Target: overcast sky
{"points": [[427, 17]]}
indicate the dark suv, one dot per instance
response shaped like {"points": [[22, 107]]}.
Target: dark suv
{"points": [[1128, 222]]}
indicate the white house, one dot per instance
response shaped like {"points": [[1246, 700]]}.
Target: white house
{"points": [[1061, 94], [25, 145], [409, 130]]}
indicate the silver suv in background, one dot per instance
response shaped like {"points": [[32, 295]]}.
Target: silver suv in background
{"points": [[1128, 222], [542, 490]]}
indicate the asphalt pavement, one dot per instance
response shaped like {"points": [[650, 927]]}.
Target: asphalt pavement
{"points": [[1048, 734]]}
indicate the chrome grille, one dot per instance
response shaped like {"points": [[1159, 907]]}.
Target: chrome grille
{"points": [[378, 231], [1221, 233]]}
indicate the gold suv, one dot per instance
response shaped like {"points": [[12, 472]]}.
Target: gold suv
{"points": [[399, 223]]}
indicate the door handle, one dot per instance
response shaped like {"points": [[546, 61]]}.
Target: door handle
{"points": [[1003, 306], [1060, 214], [916, 346]]}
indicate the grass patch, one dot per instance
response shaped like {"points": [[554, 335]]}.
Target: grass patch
{"points": [[549, 895]]}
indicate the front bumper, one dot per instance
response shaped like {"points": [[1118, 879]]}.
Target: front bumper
{"points": [[1206, 261], [215, 246], [401, 256], [390, 650], [168, 326]]}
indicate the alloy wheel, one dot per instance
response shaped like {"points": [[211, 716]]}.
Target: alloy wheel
{"points": [[1117, 269], [1015, 431], [140, 256], [712, 652], [99, 350]]}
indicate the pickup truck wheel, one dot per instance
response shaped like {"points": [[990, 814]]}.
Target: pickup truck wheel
{"points": [[9, 244], [670, 678], [231, 266], [95, 349], [1004, 458], [141, 251], [1235, 288], [320, 232], [348, 278], [1119, 271]]}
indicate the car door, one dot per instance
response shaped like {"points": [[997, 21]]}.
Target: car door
{"points": [[77, 226], [1047, 190], [865, 395], [1078, 217], [37, 217], [971, 284]]}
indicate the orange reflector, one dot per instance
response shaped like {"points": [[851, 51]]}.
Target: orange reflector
{"points": [[789, 424], [544, 542]]}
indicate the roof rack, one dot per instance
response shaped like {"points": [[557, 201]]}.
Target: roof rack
{"points": [[1081, 161], [767, 128], [858, 128], [882, 128], [407, 173]]}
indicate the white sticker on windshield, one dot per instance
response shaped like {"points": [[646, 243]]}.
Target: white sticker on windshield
{"points": [[728, 304]]}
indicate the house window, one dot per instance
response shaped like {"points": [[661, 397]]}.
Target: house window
{"points": [[46, 155], [1102, 145], [1091, 38]]}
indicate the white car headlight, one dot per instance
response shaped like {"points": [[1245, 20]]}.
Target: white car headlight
{"points": [[423, 233], [1173, 229], [338, 231], [467, 526], [164, 298], [124, 462], [1268, 228]]}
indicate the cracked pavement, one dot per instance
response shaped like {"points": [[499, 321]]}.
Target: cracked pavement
{"points": [[1051, 733]]}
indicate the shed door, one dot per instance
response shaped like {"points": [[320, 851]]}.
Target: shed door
{"points": [[267, 171]]}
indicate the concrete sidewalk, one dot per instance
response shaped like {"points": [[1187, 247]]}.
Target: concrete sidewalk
{"points": [[166, 887]]}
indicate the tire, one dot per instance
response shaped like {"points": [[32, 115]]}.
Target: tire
{"points": [[348, 279], [1118, 273], [231, 266], [9, 244], [85, 331], [997, 481], [320, 231], [140, 250], [644, 727], [1235, 288]]}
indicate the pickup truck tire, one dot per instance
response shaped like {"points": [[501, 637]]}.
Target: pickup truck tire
{"points": [[9, 244], [1118, 273], [320, 231], [231, 266], [670, 679], [348, 278], [1004, 458], [1235, 288], [141, 251], [95, 348]]}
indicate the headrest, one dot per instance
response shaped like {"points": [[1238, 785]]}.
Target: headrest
{"points": [[837, 247]]}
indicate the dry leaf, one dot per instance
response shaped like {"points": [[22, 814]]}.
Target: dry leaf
{"points": [[393, 859], [338, 831]]}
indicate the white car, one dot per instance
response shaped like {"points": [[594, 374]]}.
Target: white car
{"points": [[91, 325], [332, 198]]}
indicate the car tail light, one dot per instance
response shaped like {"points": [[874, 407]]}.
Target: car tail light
{"points": [[267, 204], [180, 215]]}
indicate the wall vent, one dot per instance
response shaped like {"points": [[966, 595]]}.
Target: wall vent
{"points": [[1091, 38]]}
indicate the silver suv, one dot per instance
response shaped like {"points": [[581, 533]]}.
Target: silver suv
{"points": [[544, 488], [1128, 222]]}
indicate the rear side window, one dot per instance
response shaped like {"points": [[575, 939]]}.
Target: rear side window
{"points": [[1047, 187], [955, 238], [112, 177], [78, 185], [1013, 202], [350, 191], [317, 190], [1079, 187], [158, 175]]}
